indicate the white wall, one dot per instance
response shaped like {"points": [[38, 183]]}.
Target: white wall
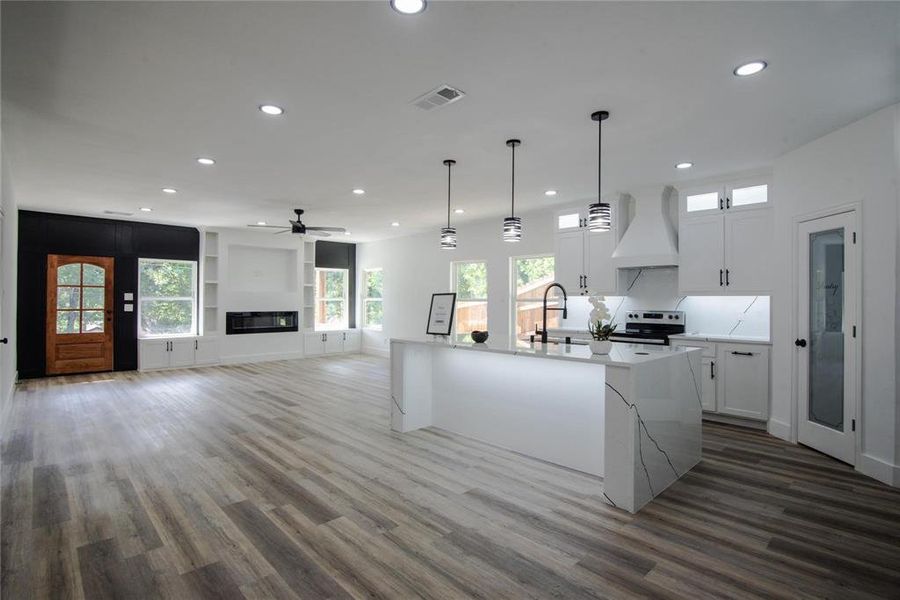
{"points": [[8, 268], [855, 164], [259, 271]]}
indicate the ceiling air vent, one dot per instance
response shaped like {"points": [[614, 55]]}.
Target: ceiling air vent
{"points": [[118, 213], [439, 96]]}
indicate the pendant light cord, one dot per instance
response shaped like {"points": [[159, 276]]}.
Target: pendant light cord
{"points": [[448, 193], [513, 187], [599, 157]]}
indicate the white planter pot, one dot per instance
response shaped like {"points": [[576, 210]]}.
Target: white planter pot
{"points": [[600, 346]]}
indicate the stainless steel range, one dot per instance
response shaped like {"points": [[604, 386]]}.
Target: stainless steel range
{"points": [[650, 327]]}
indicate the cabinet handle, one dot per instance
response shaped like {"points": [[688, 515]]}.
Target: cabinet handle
{"points": [[726, 277], [196, 345], [721, 205], [712, 370], [727, 202], [720, 277], [736, 353]]}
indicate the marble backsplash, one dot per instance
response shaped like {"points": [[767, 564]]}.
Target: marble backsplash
{"points": [[657, 289]]}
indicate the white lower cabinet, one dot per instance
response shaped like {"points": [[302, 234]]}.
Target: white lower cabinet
{"points": [[331, 342], [177, 352], [734, 378]]}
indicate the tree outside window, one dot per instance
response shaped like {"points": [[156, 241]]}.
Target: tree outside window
{"points": [[373, 301], [470, 285], [531, 275], [167, 297], [331, 299]]}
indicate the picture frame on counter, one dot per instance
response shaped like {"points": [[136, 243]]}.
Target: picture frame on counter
{"points": [[440, 314]]}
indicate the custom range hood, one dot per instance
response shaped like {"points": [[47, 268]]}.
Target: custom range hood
{"points": [[650, 240]]}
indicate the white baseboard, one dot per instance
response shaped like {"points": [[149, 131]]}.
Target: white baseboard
{"points": [[780, 429], [879, 469], [264, 357], [376, 351], [729, 420], [6, 403]]}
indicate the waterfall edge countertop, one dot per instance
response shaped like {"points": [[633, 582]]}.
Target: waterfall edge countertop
{"points": [[621, 355]]}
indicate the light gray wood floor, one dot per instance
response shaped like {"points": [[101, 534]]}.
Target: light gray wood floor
{"points": [[283, 480]]}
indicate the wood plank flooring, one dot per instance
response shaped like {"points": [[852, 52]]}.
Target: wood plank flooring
{"points": [[283, 480]]}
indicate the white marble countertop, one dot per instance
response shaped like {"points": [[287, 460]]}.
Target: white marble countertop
{"points": [[621, 355], [724, 338]]}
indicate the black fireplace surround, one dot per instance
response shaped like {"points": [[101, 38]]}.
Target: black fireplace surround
{"points": [[273, 321]]}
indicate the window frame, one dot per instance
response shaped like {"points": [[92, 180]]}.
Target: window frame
{"points": [[454, 270], [366, 299], [345, 300], [513, 290], [195, 270]]}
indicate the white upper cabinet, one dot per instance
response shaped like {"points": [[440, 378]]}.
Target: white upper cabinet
{"points": [[570, 220], [602, 276], [725, 238], [701, 244], [583, 259], [569, 260]]}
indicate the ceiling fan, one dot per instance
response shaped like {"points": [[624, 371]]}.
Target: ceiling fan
{"points": [[298, 227]]}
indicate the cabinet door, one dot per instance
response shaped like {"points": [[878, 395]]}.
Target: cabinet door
{"points": [[708, 384], [748, 251], [748, 194], [181, 353], [313, 344], [352, 341], [334, 342], [569, 260], [206, 351], [701, 242], [743, 381], [153, 354], [602, 276]]}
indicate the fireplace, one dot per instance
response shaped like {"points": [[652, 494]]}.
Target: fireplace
{"points": [[260, 322]]}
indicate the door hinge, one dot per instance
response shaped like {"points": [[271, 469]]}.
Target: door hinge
{"points": [[852, 424], [854, 237]]}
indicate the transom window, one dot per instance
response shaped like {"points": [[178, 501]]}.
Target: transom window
{"points": [[332, 299], [471, 287], [167, 297], [80, 298]]}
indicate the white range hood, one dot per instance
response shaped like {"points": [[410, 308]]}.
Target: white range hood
{"points": [[650, 240]]}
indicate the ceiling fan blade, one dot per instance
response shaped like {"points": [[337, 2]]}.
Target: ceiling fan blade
{"points": [[269, 226], [317, 232], [335, 229]]}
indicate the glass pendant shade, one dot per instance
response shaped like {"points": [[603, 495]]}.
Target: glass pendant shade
{"points": [[599, 217], [512, 229], [448, 238]]}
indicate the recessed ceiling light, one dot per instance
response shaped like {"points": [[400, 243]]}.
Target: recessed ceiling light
{"points": [[684, 165], [750, 68], [260, 222], [408, 7], [459, 211], [395, 224], [206, 161], [550, 193], [359, 191], [271, 109], [146, 209], [170, 190]]}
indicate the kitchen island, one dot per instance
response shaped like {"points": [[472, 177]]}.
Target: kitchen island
{"points": [[631, 418]]}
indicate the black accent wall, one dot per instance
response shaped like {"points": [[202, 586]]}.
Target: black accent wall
{"points": [[41, 234], [337, 255]]}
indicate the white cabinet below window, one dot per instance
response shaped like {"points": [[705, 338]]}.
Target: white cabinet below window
{"points": [[331, 342], [163, 353]]}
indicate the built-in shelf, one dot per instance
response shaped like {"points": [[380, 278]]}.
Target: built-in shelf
{"points": [[210, 291]]}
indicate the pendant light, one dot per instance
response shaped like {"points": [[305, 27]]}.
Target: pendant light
{"points": [[448, 234], [512, 225], [599, 216]]}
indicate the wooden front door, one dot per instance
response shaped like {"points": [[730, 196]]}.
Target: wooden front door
{"points": [[79, 314]]}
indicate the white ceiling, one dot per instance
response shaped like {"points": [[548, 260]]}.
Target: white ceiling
{"points": [[106, 103]]}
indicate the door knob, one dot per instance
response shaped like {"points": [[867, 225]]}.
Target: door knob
{"points": [[800, 342], [4, 341]]}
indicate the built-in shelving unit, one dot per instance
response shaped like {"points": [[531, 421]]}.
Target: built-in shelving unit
{"points": [[309, 285], [210, 283]]}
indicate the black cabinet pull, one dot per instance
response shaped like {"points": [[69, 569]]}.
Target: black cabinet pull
{"points": [[4, 341], [721, 205], [720, 277], [712, 372], [196, 345], [736, 353], [727, 202], [800, 343], [726, 278]]}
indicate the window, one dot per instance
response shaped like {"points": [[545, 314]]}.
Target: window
{"points": [[373, 308], [167, 297], [704, 201], [80, 297], [470, 285], [755, 194], [332, 299], [530, 277]]}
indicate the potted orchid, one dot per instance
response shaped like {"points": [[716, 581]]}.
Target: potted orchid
{"points": [[599, 330]]}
